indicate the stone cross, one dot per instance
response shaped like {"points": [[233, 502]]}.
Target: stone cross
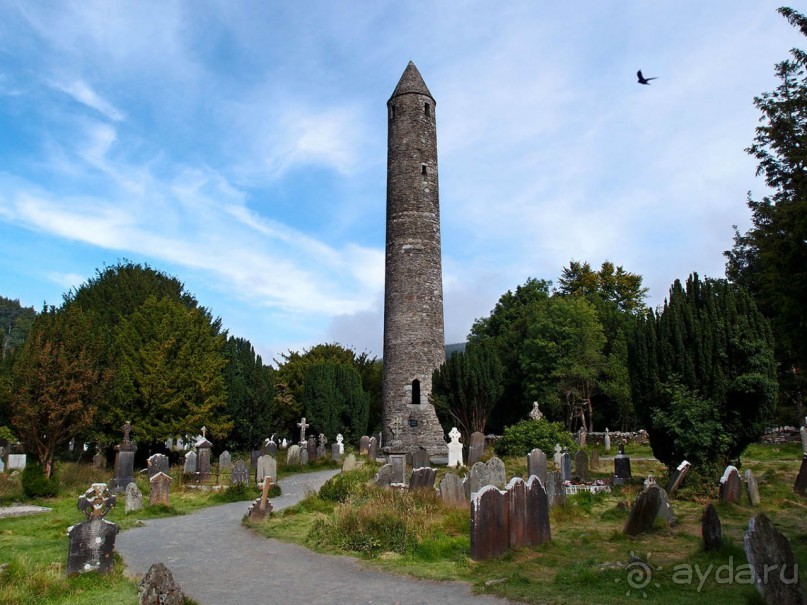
{"points": [[126, 428], [302, 424], [339, 440], [204, 432]]}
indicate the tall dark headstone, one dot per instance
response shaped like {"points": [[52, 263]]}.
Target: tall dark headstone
{"points": [[731, 486], [158, 463], [311, 448], [490, 534], [538, 530], [536, 464], [476, 448], [92, 542], [422, 478], [517, 501], [581, 465], [556, 493], [566, 466], [124, 462], [645, 510], [776, 574], [800, 486], [203, 448], [622, 470], [711, 530]]}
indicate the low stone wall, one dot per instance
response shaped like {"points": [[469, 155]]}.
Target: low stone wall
{"points": [[781, 434], [635, 437]]}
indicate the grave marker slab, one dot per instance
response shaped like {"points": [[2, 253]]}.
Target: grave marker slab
{"points": [[557, 456], [311, 448], [556, 493], [490, 535], [158, 463], [452, 491], [203, 449], [594, 463], [385, 475], [372, 451], [678, 476], [711, 530], [134, 499], [267, 467], [751, 488], [497, 474], [776, 575], [292, 455], [622, 471], [240, 473], [538, 530], [517, 501], [124, 462], [225, 462], [476, 448], [420, 458], [454, 449], [160, 490], [303, 456], [349, 464], [398, 463], [644, 511], [536, 465], [800, 486], [364, 446], [566, 466], [581, 465], [92, 543], [336, 452], [158, 587], [422, 478], [731, 486], [190, 463]]}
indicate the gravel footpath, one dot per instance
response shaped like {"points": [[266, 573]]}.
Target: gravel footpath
{"points": [[217, 561]]}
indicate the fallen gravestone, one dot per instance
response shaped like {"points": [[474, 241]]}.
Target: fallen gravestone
{"points": [[158, 587], [134, 498], [775, 571], [730, 486], [711, 529]]}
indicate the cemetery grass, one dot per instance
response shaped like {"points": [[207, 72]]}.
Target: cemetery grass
{"points": [[589, 559]]}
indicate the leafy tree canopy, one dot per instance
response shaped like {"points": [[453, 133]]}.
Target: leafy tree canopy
{"points": [[335, 401], [610, 283], [15, 323], [250, 391]]}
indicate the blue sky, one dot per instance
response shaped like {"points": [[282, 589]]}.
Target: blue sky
{"points": [[241, 146]]}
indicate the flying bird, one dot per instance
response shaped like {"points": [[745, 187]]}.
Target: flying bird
{"points": [[642, 79]]}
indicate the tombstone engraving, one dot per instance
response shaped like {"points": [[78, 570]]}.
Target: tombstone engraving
{"points": [[385, 475], [134, 499], [158, 463], [372, 451], [92, 542], [190, 463], [536, 464], [267, 467], [311, 448], [420, 458], [364, 446], [158, 587], [240, 473], [160, 494], [490, 535], [581, 465], [645, 510], [773, 565], [594, 463], [124, 461], [731, 486], [800, 486], [225, 462], [476, 448], [422, 478], [454, 449], [751, 488], [349, 464], [678, 476], [398, 463], [566, 466], [452, 491], [711, 530], [555, 492], [292, 455]]}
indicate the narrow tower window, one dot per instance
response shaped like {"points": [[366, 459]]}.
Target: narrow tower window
{"points": [[428, 109], [415, 392], [423, 169], [392, 112]]}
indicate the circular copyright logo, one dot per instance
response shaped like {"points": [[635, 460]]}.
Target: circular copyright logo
{"points": [[639, 575]]}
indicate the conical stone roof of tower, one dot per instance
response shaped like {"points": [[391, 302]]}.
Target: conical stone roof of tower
{"points": [[411, 82]]}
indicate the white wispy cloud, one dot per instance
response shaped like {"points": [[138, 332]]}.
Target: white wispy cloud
{"points": [[84, 94]]}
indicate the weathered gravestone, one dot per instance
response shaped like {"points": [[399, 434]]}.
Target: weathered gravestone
{"points": [[160, 494], [190, 463], [270, 447], [491, 472], [645, 510], [311, 448], [158, 587], [92, 542], [293, 455], [124, 461], [364, 445], [99, 460], [240, 473], [422, 478], [398, 463], [803, 435], [134, 499], [594, 463], [776, 574], [261, 507], [665, 511], [731, 486], [566, 466], [751, 488], [420, 458], [452, 491], [476, 448], [581, 437], [321, 450], [17, 462], [497, 474], [536, 465], [607, 441], [556, 493], [581, 465], [225, 462], [454, 449], [558, 456], [372, 450], [2, 465], [538, 530], [253, 458], [385, 475], [800, 486], [267, 467], [158, 463], [303, 456], [711, 530], [517, 515], [490, 523], [678, 476], [350, 463], [336, 452], [622, 470], [203, 448]]}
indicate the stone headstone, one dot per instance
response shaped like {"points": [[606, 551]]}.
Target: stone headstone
{"points": [[340, 443], [581, 465], [478, 477], [92, 544], [158, 587], [225, 462], [581, 437], [124, 461], [557, 456], [607, 441], [336, 452], [158, 463], [594, 463], [420, 458], [253, 458], [349, 464], [311, 448], [17, 461], [678, 476], [566, 466], [497, 474], [774, 568], [645, 510], [751, 488], [555, 492], [800, 486], [267, 467], [731, 486], [452, 491], [803, 435], [303, 456], [536, 465], [538, 530], [240, 473], [190, 463], [385, 475], [490, 523], [665, 511], [99, 460], [134, 499], [270, 447], [203, 449], [160, 490], [476, 448], [517, 502], [364, 446], [398, 463], [454, 449], [259, 509], [372, 450], [711, 529], [422, 478], [292, 455], [622, 470]]}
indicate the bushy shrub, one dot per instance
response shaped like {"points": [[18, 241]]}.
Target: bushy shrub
{"points": [[340, 487], [36, 485], [519, 439]]}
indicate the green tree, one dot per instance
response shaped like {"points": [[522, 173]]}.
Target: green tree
{"points": [[703, 365], [467, 386], [250, 391], [610, 283], [335, 401], [57, 383], [770, 259], [15, 323], [169, 373]]}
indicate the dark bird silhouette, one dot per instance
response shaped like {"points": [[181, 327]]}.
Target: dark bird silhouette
{"points": [[642, 79]]}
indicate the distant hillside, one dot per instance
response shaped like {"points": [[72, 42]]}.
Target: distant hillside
{"points": [[460, 346]]}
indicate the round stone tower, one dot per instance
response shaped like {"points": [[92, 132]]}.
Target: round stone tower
{"points": [[414, 341]]}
